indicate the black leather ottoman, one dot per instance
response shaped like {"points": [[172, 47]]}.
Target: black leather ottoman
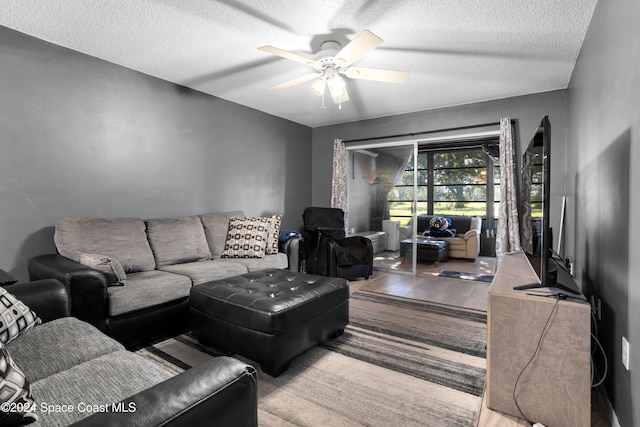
{"points": [[428, 250], [269, 316]]}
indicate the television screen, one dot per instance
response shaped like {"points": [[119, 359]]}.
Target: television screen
{"points": [[536, 232]]}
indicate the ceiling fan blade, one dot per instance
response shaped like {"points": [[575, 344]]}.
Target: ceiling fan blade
{"points": [[288, 55], [294, 82], [388, 76], [362, 44]]}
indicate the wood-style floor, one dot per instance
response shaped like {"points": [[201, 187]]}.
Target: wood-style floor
{"points": [[428, 286]]}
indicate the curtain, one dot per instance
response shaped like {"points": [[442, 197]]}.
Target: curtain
{"points": [[390, 164], [508, 237], [405, 155], [339, 180]]}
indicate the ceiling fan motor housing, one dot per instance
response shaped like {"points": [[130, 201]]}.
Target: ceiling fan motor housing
{"points": [[326, 57]]}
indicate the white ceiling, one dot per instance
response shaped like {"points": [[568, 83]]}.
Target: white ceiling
{"points": [[457, 51]]}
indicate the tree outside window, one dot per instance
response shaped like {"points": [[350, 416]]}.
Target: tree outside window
{"points": [[450, 182]]}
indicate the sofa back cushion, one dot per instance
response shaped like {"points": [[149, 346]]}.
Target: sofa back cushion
{"points": [[216, 228], [177, 240], [123, 239]]}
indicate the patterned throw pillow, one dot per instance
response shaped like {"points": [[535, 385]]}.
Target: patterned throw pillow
{"points": [[15, 317], [247, 238], [273, 235], [17, 405], [111, 268]]}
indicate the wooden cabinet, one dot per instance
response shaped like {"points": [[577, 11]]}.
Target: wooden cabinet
{"points": [[538, 351]]}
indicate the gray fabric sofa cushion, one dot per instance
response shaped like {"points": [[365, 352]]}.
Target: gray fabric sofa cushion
{"points": [[216, 227], [205, 271], [101, 381], [147, 289], [123, 239], [58, 345], [279, 261], [177, 240]]}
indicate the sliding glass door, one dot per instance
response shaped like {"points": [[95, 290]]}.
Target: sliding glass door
{"points": [[382, 202]]}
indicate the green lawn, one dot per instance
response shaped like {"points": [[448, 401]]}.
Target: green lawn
{"points": [[402, 211]]}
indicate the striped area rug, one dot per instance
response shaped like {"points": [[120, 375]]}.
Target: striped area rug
{"points": [[400, 362]]}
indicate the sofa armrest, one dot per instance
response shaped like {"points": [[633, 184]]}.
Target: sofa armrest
{"points": [[221, 391], [87, 288], [47, 298], [469, 234], [291, 247]]}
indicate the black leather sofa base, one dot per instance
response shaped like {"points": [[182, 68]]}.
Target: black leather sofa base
{"points": [[269, 316], [87, 290]]}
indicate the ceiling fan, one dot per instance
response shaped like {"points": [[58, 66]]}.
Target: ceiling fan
{"points": [[332, 64]]}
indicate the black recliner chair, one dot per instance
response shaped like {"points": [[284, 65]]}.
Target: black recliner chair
{"points": [[328, 251]]}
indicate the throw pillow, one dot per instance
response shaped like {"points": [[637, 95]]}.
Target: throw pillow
{"points": [[111, 268], [216, 228], [15, 317], [247, 238], [273, 234], [16, 404]]}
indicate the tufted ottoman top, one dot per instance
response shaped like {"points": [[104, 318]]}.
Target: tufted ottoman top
{"points": [[432, 243], [270, 301]]}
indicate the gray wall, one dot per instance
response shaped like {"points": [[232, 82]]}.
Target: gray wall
{"points": [[604, 147], [527, 111], [81, 137]]}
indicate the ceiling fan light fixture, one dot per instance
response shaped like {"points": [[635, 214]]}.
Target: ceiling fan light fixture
{"points": [[319, 86], [337, 86]]}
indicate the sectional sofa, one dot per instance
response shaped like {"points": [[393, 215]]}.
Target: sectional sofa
{"points": [[131, 277], [65, 372]]}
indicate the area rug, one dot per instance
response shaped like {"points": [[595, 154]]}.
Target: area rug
{"points": [[399, 362], [467, 276]]}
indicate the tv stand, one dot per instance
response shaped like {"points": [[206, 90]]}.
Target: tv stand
{"points": [[555, 387]]}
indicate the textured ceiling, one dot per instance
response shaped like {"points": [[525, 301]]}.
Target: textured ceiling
{"points": [[457, 51]]}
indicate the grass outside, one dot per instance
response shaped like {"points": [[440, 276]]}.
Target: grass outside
{"points": [[402, 211]]}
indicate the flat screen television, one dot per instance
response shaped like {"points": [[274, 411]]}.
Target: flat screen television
{"points": [[536, 231]]}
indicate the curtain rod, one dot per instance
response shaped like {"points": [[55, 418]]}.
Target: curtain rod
{"points": [[427, 132]]}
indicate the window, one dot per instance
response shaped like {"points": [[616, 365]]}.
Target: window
{"points": [[450, 182]]}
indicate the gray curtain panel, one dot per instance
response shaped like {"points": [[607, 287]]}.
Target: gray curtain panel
{"points": [[508, 237], [339, 180]]}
